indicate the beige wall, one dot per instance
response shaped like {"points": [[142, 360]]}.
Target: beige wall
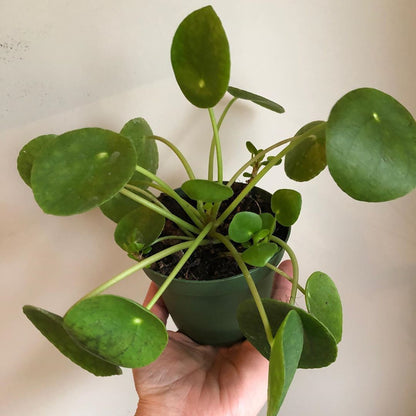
{"points": [[67, 64]]}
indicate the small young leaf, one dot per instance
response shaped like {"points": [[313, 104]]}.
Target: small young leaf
{"points": [[117, 329], [261, 235], [371, 146], [251, 148], [257, 99], [243, 226], [200, 58], [308, 158], [284, 359], [323, 301], [206, 191], [81, 169], [319, 346], [259, 255], [29, 153], [139, 228], [286, 204], [51, 326]]}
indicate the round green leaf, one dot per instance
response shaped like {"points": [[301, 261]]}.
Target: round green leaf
{"points": [[308, 158], [244, 225], [51, 326], [206, 191], [200, 58], [138, 229], [286, 204], [371, 146], [260, 254], [140, 134], [257, 99], [117, 329], [319, 346], [268, 221], [323, 301], [29, 153], [81, 169], [284, 359]]}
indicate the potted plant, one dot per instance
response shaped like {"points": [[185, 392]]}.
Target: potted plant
{"points": [[368, 143]]}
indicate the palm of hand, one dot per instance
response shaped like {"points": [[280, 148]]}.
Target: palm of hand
{"points": [[189, 378]]}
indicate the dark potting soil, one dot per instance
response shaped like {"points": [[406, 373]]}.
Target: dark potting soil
{"points": [[212, 261]]}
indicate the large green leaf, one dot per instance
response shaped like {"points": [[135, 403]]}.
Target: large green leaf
{"points": [[201, 58], [284, 359], [371, 146], [319, 346], [206, 191], [81, 169], [308, 158], [138, 229], [286, 205], [29, 153], [323, 301], [244, 225], [257, 99], [117, 329], [140, 134], [51, 326]]}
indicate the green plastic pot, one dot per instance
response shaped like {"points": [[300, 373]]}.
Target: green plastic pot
{"points": [[206, 310]]}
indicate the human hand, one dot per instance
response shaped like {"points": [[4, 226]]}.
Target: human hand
{"points": [[192, 379]]}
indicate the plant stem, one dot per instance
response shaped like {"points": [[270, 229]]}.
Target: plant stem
{"points": [[193, 246], [178, 153], [218, 150], [148, 195], [250, 284], [191, 211], [285, 275], [295, 265], [141, 265], [212, 148], [159, 210]]}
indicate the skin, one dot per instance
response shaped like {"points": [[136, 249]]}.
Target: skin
{"points": [[189, 379]]}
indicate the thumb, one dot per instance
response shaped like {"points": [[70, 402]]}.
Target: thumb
{"points": [[281, 286]]}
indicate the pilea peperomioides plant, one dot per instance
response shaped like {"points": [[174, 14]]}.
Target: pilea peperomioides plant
{"points": [[368, 144]]}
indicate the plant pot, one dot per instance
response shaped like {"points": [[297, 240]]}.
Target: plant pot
{"points": [[205, 310]]}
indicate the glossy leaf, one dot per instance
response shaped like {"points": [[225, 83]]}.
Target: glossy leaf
{"points": [[138, 229], [259, 255], [284, 359], [29, 153], [117, 329], [200, 58], [319, 346], [81, 169], [51, 326], [140, 134], [371, 146], [257, 99], [308, 158], [206, 191], [244, 225], [323, 301], [268, 221], [286, 204]]}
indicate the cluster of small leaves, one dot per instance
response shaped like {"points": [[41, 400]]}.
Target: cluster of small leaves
{"points": [[254, 231], [258, 161]]}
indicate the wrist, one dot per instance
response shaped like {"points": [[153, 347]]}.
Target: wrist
{"points": [[155, 408]]}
